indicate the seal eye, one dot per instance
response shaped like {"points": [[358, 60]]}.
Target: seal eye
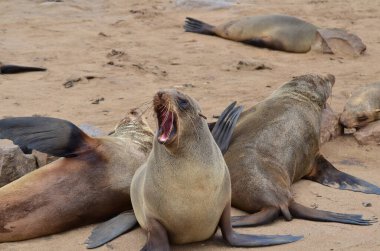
{"points": [[183, 103], [362, 118]]}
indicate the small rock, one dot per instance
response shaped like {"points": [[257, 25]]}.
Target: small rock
{"points": [[367, 204], [71, 82], [97, 101], [349, 131], [369, 134], [43, 158], [14, 163]]}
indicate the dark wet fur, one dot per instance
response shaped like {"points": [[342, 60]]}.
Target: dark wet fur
{"points": [[13, 69], [197, 26], [56, 137]]}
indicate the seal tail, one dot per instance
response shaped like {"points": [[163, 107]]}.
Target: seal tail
{"points": [[13, 69], [225, 125], [197, 26], [53, 136], [302, 212], [326, 174], [111, 229]]}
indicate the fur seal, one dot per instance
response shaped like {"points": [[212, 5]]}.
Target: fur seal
{"points": [[91, 183], [276, 143], [279, 32], [13, 69], [362, 107], [182, 193]]}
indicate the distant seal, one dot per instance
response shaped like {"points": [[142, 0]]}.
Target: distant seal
{"points": [[278, 32], [362, 107], [276, 143], [13, 69], [91, 183], [183, 192]]}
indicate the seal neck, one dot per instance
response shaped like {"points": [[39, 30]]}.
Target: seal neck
{"points": [[138, 131]]}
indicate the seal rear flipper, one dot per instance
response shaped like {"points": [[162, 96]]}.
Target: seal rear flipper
{"points": [[244, 240], [263, 217], [196, 26], [13, 69], [302, 212], [53, 136], [225, 125], [325, 173], [111, 229], [336, 40]]}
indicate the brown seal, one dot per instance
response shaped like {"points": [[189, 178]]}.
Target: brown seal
{"points": [[276, 143], [280, 32], [183, 192], [362, 107], [89, 184]]}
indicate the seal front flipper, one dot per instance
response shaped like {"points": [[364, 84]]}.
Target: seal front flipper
{"points": [[243, 240], [302, 212], [325, 173], [13, 69], [53, 136], [109, 230], [225, 125], [263, 217]]}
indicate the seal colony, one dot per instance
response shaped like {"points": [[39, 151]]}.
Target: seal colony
{"points": [[182, 193], [276, 143], [278, 32]]}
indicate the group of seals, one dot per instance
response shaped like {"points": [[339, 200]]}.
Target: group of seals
{"points": [[276, 143], [91, 183], [13, 69], [182, 193], [279, 32]]}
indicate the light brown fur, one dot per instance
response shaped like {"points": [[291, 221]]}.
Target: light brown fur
{"points": [[70, 192], [362, 107], [184, 185], [275, 144]]}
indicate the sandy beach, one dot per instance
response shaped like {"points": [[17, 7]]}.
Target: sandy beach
{"points": [[114, 56]]}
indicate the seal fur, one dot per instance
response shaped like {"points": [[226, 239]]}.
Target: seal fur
{"points": [[184, 168], [89, 184], [279, 32], [275, 144]]}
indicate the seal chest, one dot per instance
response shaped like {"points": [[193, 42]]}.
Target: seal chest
{"points": [[175, 184]]}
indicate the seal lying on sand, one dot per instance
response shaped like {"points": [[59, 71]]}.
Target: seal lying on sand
{"points": [[12, 69], [279, 32], [276, 143], [183, 192], [90, 184], [362, 107]]}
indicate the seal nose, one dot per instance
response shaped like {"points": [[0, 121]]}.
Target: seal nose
{"points": [[160, 94]]}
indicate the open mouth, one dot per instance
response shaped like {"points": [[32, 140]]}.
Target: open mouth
{"points": [[167, 125]]}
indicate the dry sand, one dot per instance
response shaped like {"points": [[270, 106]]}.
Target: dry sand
{"points": [[75, 38]]}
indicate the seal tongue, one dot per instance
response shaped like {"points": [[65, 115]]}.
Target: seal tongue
{"points": [[166, 126]]}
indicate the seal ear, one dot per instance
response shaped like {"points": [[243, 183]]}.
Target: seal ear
{"points": [[225, 125], [109, 230], [53, 136]]}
